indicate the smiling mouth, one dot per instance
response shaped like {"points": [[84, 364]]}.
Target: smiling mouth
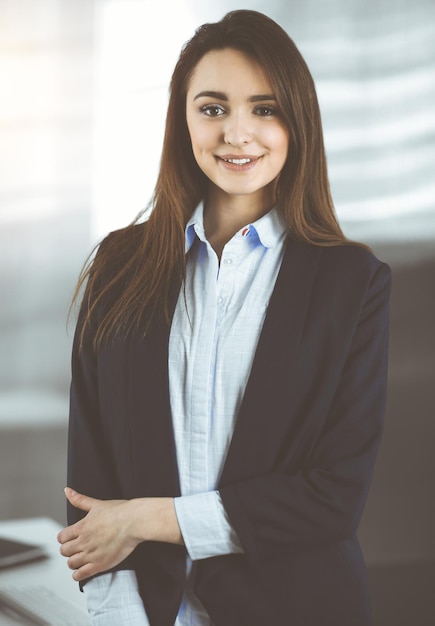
{"points": [[238, 161], [239, 164]]}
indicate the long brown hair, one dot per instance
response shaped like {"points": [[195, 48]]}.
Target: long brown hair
{"points": [[140, 264]]}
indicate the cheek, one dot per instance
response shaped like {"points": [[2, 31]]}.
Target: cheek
{"points": [[282, 143], [199, 135], [281, 138], [278, 140], [204, 139]]}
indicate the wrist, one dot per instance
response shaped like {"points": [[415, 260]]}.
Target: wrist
{"points": [[154, 519]]}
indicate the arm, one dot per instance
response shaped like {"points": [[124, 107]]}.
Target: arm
{"points": [[112, 529], [89, 467], [323, 501], [91, 470]]}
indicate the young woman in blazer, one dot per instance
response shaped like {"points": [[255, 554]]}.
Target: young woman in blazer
{"points": [[229, 365]]}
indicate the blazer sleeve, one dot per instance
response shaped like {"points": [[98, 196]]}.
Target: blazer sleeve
{"points": [[321, 503], [90, 469]]}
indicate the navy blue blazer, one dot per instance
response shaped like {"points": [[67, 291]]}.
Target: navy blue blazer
{"points": [[301, 458]]}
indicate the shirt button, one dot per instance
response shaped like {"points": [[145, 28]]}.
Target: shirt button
{"points": [[229, 261], [220, 300]]}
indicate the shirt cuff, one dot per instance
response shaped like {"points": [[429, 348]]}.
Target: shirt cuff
{"points": [[205, 526], [114, 599]]}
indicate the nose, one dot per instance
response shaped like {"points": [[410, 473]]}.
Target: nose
{"points": [[238, 131]]}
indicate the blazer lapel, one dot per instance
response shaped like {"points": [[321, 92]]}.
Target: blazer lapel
{"points": [[258, 428]]}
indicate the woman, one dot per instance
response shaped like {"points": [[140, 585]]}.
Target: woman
{"points": [[229, 365]]}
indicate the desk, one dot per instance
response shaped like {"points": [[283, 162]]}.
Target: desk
{"points": [[53, 571]]}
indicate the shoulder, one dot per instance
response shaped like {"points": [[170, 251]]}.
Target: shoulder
{"points": [[113, 263], [352, 256], [122, 240], [341, 272], [351, 263], [354, 274], [118, 248]]}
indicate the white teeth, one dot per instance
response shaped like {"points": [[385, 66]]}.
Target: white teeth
{"points": [[238, 161]]}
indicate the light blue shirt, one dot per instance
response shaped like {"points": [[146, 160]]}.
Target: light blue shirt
{"points": [[214, 335]]}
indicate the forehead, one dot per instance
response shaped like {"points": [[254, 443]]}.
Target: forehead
{"points": [[229, 71]]}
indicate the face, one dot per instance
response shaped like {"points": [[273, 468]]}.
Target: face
{"points": [[238, 137]]}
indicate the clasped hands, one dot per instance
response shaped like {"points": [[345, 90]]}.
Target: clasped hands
{"points": [[111, 530]]}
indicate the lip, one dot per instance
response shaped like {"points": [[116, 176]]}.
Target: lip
{"points": [[225, 160]]}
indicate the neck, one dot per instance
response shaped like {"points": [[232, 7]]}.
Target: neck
{"points": [[225, 214]]}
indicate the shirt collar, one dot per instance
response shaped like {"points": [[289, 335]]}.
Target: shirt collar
{"points": [[269, 229], [195, 227]]}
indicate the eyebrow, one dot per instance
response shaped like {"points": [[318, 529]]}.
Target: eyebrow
{"points": [[219, 95]]}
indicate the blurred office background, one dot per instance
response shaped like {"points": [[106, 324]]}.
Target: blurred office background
{"points": [[83, 90]]}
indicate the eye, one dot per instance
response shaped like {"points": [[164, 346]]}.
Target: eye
{"points": [[265, 110], [212, 110]]}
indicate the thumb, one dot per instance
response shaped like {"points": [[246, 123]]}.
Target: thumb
{"points": [[79, 500]]}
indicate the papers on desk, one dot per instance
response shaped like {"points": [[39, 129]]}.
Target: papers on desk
{"points": [[39, 591], [17, 552]]}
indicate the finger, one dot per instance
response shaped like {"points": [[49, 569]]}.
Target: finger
{"points": [[79, 500], [76, 561], [69, 548], [67, 534], [86, 571]]}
